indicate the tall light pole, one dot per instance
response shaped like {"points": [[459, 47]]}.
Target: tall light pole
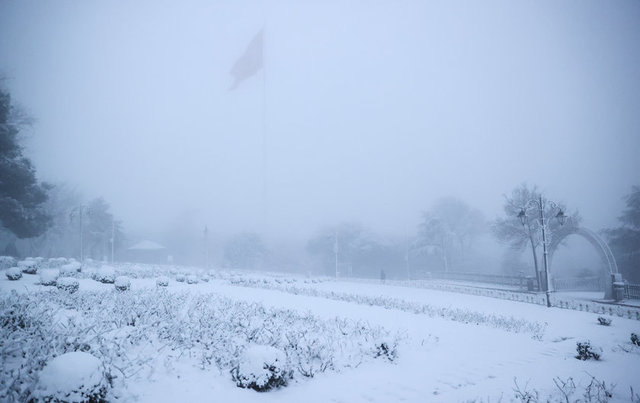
{"points": [[540, 203], [206, 247], [113, 237], [81, 210], [335, 251]]}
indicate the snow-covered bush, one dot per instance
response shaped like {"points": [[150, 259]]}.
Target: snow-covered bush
{"points": [[508, 323], [635, 339], [28, 266], [49, 276], [122, 283], [162, 281], [7, 262], [604, 321], [105, 274], [116, 327], [180, 278], [68, 284], [261, 368], [14, 273], [387, 349], [70, 269], [192, 279], [586, 351], [72, 377], [57, 262]]}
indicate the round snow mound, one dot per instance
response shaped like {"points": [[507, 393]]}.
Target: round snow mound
{"points": [[72, 377], [49, 276], [192, 279], [162, 281], [56, 262], [28, 266], [70, 269], [68, 284], [122, 283], [105, 274], [14, 273], [261, 368]]}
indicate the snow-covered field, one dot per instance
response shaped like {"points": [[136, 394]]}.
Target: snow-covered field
{"points": [[324, 340]]}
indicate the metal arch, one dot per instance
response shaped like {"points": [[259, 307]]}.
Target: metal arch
{"points": [[601, 247]]}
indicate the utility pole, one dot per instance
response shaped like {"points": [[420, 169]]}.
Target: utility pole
{"points": [[406, 260], [81, 251], [335, 250], [206, 247], [113, 237]]}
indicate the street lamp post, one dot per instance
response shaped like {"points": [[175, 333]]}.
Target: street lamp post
{"points": [[81, 210], [560, 216], [335, 251]]}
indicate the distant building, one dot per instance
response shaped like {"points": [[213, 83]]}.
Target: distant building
{"points": [[147, 252]]}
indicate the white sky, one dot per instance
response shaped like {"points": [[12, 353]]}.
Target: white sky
{"points": [[375, 109]]}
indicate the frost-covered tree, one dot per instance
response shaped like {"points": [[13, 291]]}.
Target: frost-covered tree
{"points": [[360, 251], [99, 228], [510, 230], [625, 239], [449, 229], [61, 238], [21, 196]]}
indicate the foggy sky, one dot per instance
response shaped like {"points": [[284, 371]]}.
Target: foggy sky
{"points": [[374, 109]]}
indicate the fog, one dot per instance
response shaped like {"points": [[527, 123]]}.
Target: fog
{"points": [[370, 111]]}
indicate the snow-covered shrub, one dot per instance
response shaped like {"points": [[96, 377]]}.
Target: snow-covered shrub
{"points": [[122, 283], [261, 368], [162, 281], [68, 284], [28, 266], [72, 377], [7, 262], [387, 349], [49, 276], [56, 262], [70, 269], [508, 323], [604, 321], [105, 274], [14, 273], [586, 351], [126, 331], [180, 278], [635, 339], [192, 279]]}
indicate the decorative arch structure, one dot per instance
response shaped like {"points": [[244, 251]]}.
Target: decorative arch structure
{"points": [[602, 248]]}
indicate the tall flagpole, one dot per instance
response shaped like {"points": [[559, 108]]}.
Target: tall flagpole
{"points": [[265, 207]]}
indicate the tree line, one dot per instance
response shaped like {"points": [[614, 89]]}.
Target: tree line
{"points": [[54, 220]]}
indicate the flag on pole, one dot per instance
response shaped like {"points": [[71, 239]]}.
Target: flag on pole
{"points": [[250, 62]]}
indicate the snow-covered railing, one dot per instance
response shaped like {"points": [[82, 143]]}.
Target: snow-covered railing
{"points": [[559, 301], [632, 291]]}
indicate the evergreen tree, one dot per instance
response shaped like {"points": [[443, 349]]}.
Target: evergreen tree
{"points": [[625, 240], [21, 196]]}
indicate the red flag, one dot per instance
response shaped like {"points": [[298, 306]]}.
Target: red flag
{"points": [[250, 62]]}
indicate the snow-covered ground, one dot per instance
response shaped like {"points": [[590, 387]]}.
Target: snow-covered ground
{"points": [[450, 346]]}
